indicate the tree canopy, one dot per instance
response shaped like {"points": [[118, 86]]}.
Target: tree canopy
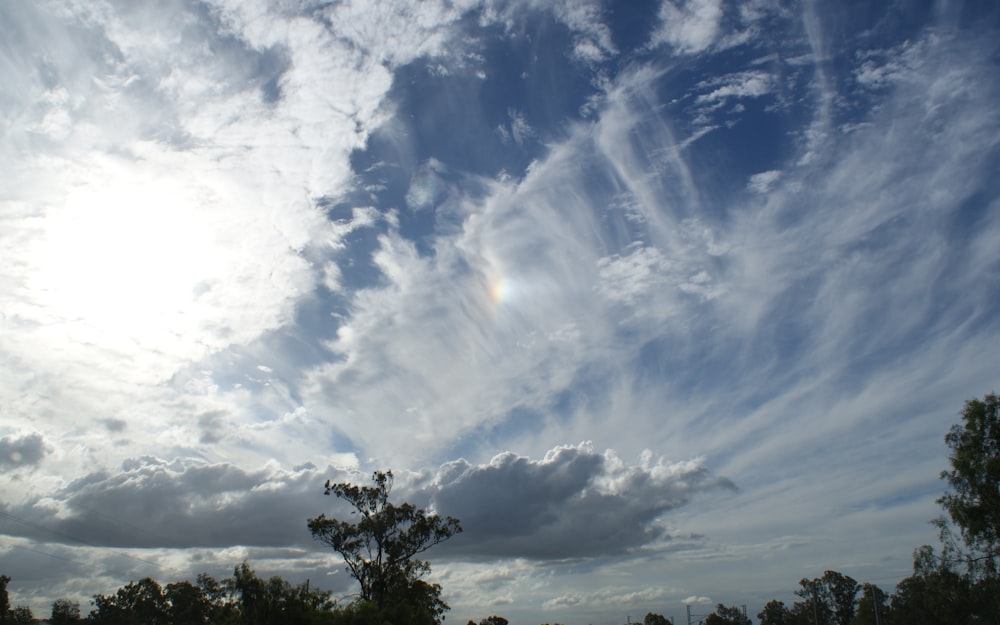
{"points": [[973, 504], [380, 549]]}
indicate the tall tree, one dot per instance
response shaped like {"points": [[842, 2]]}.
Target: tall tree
{"points": [[974, 501], [380, 549]]}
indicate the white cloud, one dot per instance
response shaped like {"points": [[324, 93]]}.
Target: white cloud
{"points": [[763, 181], [742, 85], [690, 26]]}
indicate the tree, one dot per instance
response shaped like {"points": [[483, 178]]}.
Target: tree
{"points": [[493, 620], [652, 618], [21, 615], [727, 615], [829, 600], [4, 598], [380, 548], [774, 613], [934, 595], [138, 602], [187, 603], [65, 612], [871, 606], [974, 503]]}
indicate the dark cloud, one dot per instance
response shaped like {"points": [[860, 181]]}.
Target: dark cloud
{"points": [[114, 425], [151, 502], [574, 503], [212, 426], [19, 451]]}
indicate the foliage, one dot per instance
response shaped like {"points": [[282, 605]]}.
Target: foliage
{"points": [[974, 501], [136, 602], [491, 620], [21, 615], [379, 550], [774, 613], [652, 618], [727, 615], [4, 598], [871, 606], [65, 612], [830, 598]]}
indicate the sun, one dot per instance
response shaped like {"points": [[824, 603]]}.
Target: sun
{"points": [[119, 262]]}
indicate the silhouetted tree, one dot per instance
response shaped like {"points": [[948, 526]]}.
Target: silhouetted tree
{"points": [[137, 602], [828, 599], [380, 548], [21, 615], [65, 612], [934, 595], [652, 618], [774, 613], [727, 615], [871, 600], [4, 598]]}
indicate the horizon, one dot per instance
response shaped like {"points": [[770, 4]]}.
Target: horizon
{"points": [[666, 300]]}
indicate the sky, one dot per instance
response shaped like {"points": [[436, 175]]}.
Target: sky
{"points": [[670, 302]]}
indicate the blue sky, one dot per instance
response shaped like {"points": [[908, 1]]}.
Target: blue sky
{"points": [[671, 301]]}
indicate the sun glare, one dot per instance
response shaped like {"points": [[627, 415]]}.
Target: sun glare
{"points": [[120, 262]]}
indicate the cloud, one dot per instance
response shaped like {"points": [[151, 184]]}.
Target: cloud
{"points": [[751, 84], [763, 181], [690, 26], [176, 504], [573, 503], [24, 450], [622, 597]]}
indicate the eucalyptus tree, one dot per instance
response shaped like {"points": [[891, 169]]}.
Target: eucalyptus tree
{"points": [[381, 546]]}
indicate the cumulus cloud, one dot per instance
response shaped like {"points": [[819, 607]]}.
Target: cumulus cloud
{"points": [[572, 503], [177, 503]]}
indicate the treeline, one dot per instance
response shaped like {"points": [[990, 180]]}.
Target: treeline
{"points": [[938, 593], [957, 584], [243, 599]]}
